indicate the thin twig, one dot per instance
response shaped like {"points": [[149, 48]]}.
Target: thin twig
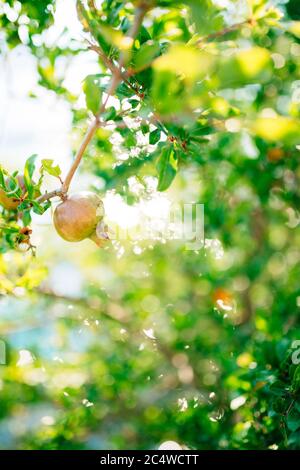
{"points": [[290, 407], [113, 68], [223, 32], [109, 63]]}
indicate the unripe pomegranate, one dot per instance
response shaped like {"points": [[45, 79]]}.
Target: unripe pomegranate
{"points": [[11, 203], [79, 217], [223, 298], [275, 154]]}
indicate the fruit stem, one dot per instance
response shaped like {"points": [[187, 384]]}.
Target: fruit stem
{"points": [[49, 195]]}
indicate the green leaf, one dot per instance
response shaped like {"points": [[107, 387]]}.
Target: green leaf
{"points": [[12, 186], [47, 165], [293, 420], [109, 114], [277, 129], [154, 136], [128, 136], [130, 140], [279, 405], [294, 28], [26, 217], [177, 74], [145, 128], [145, 55], [206, 16], [188, 62], [115, 37], [134, 103], [38, 208], [124, 91], [248, 66], [28, 173], [2, 178], [167, 168], [267, 15], [30, 166], [278, 388], [296, 379], [92, 91]]}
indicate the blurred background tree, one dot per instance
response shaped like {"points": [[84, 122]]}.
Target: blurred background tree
{"points": [[145, 341]]}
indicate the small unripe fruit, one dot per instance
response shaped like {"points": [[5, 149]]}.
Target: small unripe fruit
{"points": [[275, 154], [77, 217], [222, 298], [11, 203]]}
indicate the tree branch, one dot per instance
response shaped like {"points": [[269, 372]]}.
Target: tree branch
{"points": [[117, 77], [125, 76], [49, 195], [87, 138], [115, 80]]}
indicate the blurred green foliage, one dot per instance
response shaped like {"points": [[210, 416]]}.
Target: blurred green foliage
{"points": [[162, 343]]}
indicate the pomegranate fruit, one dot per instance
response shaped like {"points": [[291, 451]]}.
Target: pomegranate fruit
{"points": [[80, 216]]}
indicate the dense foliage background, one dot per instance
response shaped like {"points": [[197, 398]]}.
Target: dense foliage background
{"points": [[145, 341]]}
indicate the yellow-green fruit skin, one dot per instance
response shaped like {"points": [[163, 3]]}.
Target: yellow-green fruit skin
{"points": [[8, 203], [77, 217]]}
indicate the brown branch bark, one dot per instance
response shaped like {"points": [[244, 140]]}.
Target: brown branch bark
{"points": [[49, 195], [87, 138]]}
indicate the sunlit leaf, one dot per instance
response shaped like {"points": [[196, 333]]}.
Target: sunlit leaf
{"points": [[248, 66], [92, 91], [167, 168], [28, 173], [277, 129], [154, 136], [184, 61], [293, 420], [206, 16], [145, 55], [48, 166], [294, 28]]}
